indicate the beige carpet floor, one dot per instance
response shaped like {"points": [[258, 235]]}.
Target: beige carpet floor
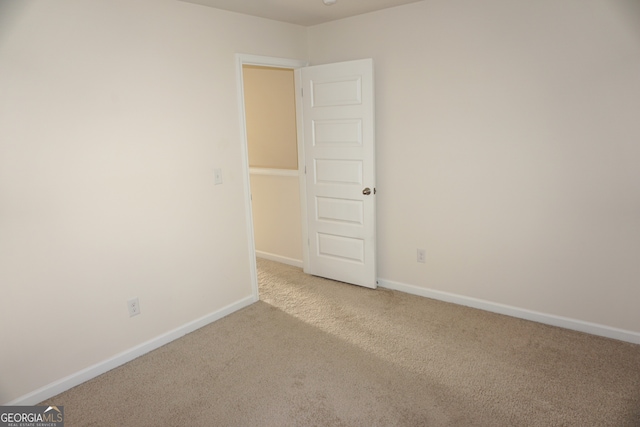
{"points": [[314, 352]]}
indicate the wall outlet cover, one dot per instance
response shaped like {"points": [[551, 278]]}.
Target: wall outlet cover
{"points": [[134, 307]]}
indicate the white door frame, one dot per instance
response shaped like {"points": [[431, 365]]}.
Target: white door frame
{"points": [[267, 61]]}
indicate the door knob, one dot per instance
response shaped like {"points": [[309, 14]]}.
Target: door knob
{"points": [[366, 191]]}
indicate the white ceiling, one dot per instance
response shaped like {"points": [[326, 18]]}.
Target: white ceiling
{"points": [[301, 12]]}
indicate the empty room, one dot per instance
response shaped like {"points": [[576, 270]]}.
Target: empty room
{"points": [[464, 233]]}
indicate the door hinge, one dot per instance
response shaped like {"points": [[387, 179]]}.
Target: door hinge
{"points": [[302, 92], [305, 169]]}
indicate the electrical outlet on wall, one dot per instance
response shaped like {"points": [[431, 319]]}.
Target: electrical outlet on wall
{"points": [[134, 307], [422, 257]]}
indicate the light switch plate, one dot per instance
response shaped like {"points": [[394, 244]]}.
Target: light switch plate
{"points": [[218, 176]]}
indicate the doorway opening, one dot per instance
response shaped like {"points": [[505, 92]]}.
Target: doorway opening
{"points": [[271, 155], [335, 130], [270, 115]]}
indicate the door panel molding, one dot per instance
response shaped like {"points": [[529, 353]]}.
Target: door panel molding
{"points": [[337, 124]]}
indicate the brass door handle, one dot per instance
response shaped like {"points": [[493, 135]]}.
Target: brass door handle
{"points": [[366, 191]]}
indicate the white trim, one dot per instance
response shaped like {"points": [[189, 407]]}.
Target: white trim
{"points": [[279, 258], [270, 61], [246, 181], [100, 368], [274, 172], [521, 313], [297, 74], [266, 61]]}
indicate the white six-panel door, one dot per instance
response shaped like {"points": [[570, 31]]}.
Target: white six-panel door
{"points": [[339, 159]]}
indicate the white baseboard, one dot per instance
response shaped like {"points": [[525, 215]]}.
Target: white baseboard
{"points": [[100, 368], [548, 319], [278, 258]]}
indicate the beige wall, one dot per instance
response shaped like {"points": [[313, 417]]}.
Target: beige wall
{"points": [[276, 217], [113, 116], [507, 147], [270, 112], [270, 109]]}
